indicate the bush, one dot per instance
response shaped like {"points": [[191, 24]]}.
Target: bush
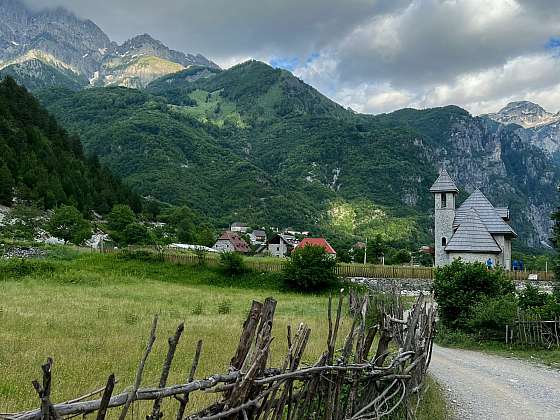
{"points": [[18, 268], [224, 307], [310, 269], [460, 286], [539, 303], [490, 317], [232, 264]]}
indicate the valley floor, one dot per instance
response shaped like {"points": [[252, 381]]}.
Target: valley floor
{"points": [[92, 315]]}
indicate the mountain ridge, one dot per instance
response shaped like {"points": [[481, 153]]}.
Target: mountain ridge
{"points": [[49, 35]]}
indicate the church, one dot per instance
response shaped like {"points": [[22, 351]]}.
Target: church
{"points": [[475, 231]]}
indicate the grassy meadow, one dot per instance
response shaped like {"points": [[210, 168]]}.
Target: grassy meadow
{"points": [[92, 313]]}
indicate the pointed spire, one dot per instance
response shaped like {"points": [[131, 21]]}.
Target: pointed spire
{"points": [[444, 183]]}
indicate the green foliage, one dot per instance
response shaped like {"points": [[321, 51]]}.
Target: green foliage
{"points": [[310, 269], [140, 255], [7, 185], [68, 224], [224, 307], [119, 220], [232, 263], [18, 268], [45, 164], [533, 301], [459, 286], [136, 234], [491, 315]]}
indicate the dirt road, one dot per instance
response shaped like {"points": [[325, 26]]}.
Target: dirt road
{"points": [[482, 386]]}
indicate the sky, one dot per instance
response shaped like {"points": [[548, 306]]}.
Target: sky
{"points": [[371, 55]]}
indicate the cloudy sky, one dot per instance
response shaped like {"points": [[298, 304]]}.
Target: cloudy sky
{"points": [[372, 55]]}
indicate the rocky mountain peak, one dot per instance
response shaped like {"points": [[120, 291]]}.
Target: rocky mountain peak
{"points": [[60, 39], [524, 113]]}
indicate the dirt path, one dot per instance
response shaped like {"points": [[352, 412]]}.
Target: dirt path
{"points": [[482, 386]]}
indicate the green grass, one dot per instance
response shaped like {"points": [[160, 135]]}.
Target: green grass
{"points": [[550, 357], [92, 314]]}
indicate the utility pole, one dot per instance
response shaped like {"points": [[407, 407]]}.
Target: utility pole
{"points": [[365, 253]]}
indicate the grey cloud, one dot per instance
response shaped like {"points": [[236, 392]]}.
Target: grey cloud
{"points": [[436, 42], [224, 28]]}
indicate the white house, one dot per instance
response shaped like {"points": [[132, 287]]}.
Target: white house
{"points": [[476, 231], [281, 245]]}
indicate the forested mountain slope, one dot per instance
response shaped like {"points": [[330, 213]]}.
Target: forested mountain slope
{"points": [[41, 163], [257, 144]]}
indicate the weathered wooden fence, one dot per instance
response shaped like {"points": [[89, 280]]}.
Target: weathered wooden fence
{"points": [[533, 331], [342, 269], [347, 382]]}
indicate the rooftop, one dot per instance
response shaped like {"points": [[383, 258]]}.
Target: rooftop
{"points": [[444, 183], [472, 236]]}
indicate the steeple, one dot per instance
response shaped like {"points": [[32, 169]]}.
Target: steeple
{"points": [[444, 183]]}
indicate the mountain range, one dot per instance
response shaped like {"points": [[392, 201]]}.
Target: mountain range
{"points": [[256, 144], [53, 47]]}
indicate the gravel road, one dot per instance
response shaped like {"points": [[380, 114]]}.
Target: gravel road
{"points": [[482, 386]]}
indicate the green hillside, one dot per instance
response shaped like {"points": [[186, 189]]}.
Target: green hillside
{"points": [[256, 144], [40, 162]]}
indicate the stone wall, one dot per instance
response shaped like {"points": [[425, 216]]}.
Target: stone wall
{"points": [[413, 287]]}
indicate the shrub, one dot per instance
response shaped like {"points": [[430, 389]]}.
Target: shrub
{"points": [[232, 264], [224, 307], [490, 317], [310, 269], [198, 309], [531, 297], [459, 286], [68, 224], [17, 268]]}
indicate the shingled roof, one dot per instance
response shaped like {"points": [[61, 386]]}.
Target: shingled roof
{"points": [[489, 216], [444, 183], [472, 236]]}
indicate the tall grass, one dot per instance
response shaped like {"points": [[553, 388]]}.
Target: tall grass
{"points": [[92, 314]]}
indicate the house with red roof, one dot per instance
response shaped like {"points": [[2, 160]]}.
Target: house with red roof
{"points": [[322, 242], [231, 242]]}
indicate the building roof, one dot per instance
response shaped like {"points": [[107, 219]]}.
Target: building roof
{"points": [[259, 233], [288, 239], [238, 224], [322, 242], [472, 236], [491, 219], [239, 245], [444, 183]]}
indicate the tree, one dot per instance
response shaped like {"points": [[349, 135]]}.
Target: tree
{"points": [[310, 269], [120, 217], [459, 286], [556, 243], [7, 185], [136, 234], [68, 224]]}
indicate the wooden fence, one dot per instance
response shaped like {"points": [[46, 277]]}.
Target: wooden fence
{"points": [[351, 382], [533, 331], [342, 269]]}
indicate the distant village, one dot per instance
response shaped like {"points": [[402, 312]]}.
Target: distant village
{"points": [[278, 243]]}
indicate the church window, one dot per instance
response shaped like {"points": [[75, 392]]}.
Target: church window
{"points": [[443, 201], [443, 241]]}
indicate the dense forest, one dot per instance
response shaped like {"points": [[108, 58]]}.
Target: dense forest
{"points": [[42, 164], [258, 145]]}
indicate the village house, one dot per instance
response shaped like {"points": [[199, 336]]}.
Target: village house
{"points": [[280, 245], [231, 242], [239, 227], [322, 242], [257, 237], [476, 231]]}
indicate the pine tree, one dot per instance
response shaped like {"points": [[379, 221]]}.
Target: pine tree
{"points": [[7, 185]]}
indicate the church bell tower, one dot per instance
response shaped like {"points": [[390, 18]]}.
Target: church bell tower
{"points": [[445, 192]]}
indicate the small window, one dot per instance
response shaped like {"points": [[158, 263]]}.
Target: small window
{"points": [[443, 241], [443, 201]]}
